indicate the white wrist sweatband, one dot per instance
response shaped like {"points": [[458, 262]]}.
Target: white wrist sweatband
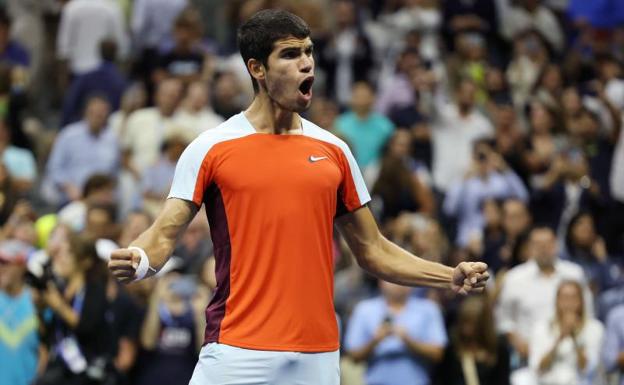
{"points": [[144, 266]]}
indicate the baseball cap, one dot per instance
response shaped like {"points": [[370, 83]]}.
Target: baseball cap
{"points": [[14, 251]]}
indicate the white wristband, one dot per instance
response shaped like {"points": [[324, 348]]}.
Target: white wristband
{"points": [[144, 266]]}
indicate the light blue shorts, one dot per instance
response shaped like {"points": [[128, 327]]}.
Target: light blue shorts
{"points": [[221, 364]]}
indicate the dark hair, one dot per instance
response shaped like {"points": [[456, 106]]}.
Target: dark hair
{"points": [[109, 209], [257, 35], [569, 241], [97, 182], [83, 249]]}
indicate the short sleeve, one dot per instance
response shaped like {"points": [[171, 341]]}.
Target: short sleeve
{"points": [[193, 173], [436, 332], [353, 193]]}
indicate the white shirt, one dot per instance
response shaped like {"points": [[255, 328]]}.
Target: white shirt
{"points": [[453, 137], [564, 369], [528, 296], [517, 20], [144, 135], [84, 24], [198, 122], [617, 170]]}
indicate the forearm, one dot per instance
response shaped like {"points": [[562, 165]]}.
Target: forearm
{"points": [[433, 353], [547, 361], [67, 314], [581, 357], [363, 354], [393, 264]]}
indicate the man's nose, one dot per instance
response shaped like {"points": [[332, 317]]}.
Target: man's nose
{"points": [[307, 64]]}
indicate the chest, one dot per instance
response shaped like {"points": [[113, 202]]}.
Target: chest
{"points": [[278, 166]]}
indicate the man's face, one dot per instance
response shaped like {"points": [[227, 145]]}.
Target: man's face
{"points": [[544, 247], [362, 98], [168, 96], [290, 74], [97, 114], [466, 95], [515, 218]]}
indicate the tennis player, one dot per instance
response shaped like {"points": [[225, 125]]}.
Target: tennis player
{"points": [[274, 185]]}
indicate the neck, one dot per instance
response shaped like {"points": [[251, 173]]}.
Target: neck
{"points": [[396, 303], [547, 269], [362, 114], [268, 117], [464, 110]]}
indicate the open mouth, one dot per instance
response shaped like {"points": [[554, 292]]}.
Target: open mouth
{"points": [[306, 86]]}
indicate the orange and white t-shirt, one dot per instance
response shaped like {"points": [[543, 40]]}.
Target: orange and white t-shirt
{"points": [[271, 201]]}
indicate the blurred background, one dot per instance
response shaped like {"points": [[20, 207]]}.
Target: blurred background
{"points": [[487, 130]]}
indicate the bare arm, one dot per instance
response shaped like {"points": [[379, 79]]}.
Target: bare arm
{"points": [[158, 241], [389, 262]]}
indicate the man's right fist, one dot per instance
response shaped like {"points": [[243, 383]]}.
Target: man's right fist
{"points": [[123, 264]]}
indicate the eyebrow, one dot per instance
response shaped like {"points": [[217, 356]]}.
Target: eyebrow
{"points": [[297, 48]]}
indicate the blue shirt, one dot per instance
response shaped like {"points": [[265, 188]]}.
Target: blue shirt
{"points": [[367, 137], [614, 340], [20, 163], [157, 178], [599, 13], [77, 154], [465, 198], [391, 362], [106, 80], [19, 343], [15, 54]]}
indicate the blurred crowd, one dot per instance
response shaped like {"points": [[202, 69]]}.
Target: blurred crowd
{"points": [[487, 130]]}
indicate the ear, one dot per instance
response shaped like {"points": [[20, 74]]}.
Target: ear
{"points": [[256, 69]]}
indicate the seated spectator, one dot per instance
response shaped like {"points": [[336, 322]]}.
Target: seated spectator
{"points": [[195, 247], [173, 330], [585, 247], [78, 328], [528, 293], [19, 340], [475, 354], [398, 335], [367, 131], [400, 184], [613, 350], [531, 15], [489, 178], [19, 162], [185, 60], [229, 95], [145, 129], [80, 150], [11, 52], [458, 125], [157, 179], [566, 348], [98, 189], [101, 222], [106, 80], [195, 112]]}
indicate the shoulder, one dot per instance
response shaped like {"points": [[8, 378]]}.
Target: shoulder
{"points": [[520, 272], [71, 131], [571, 269], [616, 315], [231, 129], [368, 306], [313, 131], [425, 306]]}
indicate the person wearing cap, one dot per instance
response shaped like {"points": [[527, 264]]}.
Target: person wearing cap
{"points": [[19, 341]]}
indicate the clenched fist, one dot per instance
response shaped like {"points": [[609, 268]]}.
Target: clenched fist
{"points": [[123, 264], [470, 277]]}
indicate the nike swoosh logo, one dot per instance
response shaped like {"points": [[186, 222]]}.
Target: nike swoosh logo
{"points": [[316, 158]]}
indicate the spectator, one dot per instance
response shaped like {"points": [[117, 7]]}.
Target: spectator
{"points": [[229, 96], [185, 60], [195, 247], [365, 130], [397, 91], [83, 26], [566, 348], [531, 15], [529, 292], [616, 182], [11, 52], [173, 330], [9, 196], [157, 178], [458, 125], [530, 55], [19, 162], [81, 150], [78, 325], [400, 183], [613, 352], [19, 340], [475, 354], [479, 16], [195, 111], [101, 222], [346, 56], [509, 139], [489, 178], [151, 25], [136, 223], [146, 127], [106, 79], [398, 335], [98, 189]]}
